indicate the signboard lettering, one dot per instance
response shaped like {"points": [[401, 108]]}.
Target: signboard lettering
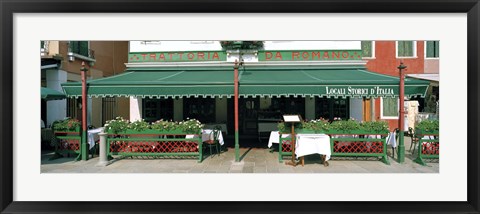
{"points": [[309, 55], [191, 56], [359, 91]]}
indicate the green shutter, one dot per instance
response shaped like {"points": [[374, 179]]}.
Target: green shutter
{"points": [[433, 49], [390, 107], [405, 49], [79, 47], [74, 46], [367, 49], [41, 44], [83, 49]]}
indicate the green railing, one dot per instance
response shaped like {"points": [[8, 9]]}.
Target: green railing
{"points": [[427, 148], [346, 144], [155, 144], [67, 143]]}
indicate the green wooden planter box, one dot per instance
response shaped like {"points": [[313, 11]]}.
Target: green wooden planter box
{"points": [[382, 139], [152, 132], [62, 136], [143, 143], [435, 143]]}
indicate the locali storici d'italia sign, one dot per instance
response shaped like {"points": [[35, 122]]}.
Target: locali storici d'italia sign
{"points": [[359, 91], [186, 56], [309, 55]]}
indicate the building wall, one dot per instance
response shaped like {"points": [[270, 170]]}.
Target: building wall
{"points": [[386, 62], [432, 66], [110, 57]]}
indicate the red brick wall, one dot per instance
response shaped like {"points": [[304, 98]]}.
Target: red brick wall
{"points": [[385, 62]]}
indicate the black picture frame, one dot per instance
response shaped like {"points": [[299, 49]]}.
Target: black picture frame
{"points": [[9, 7]]}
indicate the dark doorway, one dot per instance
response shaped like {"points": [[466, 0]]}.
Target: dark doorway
{"points": [[156, 109]]}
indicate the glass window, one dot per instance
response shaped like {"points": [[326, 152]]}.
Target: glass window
{"points": [[389, 107], [433, 49], [405, 49], [367, 49], [156, 109], [202, 109], [79, 47], [329, 108]]}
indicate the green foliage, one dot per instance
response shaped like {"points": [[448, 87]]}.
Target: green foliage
{"points": [[281, 127], [375, 126], [345, 125], [117, 125], [164, 125], [139, 125], [428, 125], [66, 125], [191, 126], [316, 125], [241, 44]]}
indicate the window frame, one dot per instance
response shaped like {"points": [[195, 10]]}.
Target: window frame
{"points": [[381, 109], [425, 49], [406, 57], [373, 50], [79, 54]]}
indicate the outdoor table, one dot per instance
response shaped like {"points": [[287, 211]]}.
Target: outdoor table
{"points": [[206, 135], [307, 144], [223, 126], [93, 136], [275, 138]]}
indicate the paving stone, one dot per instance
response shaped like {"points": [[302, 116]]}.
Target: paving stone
{"points": [[254, 160]]}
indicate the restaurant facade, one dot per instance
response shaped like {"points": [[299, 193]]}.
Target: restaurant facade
{"points": [[176, 80]]}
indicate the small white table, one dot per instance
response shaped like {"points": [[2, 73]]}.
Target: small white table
{"points": [[307, 144], [93, 136], [223, 126], [275, 138]]}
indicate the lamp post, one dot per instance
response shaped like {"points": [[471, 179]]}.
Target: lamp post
{"points": [[83, 146], [401, 146]]}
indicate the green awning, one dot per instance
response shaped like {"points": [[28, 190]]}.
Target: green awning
{"points": [[160, 83], [266, 81], [51, 94], [323, 81]]}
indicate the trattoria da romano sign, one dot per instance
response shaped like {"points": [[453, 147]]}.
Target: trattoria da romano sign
{"points": [[309, 55], [188, 56], [361, 91]]}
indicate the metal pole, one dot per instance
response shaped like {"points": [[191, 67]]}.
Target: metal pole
{"points": [[401, 146], [237, 146], [83, 146]]}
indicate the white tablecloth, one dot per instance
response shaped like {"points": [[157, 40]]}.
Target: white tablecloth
{"points": [[222, 126], [307, 144], [208, 135], [93, 136], [275, 138], [391, 139]]}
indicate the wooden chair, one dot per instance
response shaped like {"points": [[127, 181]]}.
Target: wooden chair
{"points": [[411, 133], [213, 141], [397, 131]]}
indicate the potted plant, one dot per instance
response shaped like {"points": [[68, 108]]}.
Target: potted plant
{"points": [[374, 127], [67, 125], [315, 126], [116, 126], [427, 127]]}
